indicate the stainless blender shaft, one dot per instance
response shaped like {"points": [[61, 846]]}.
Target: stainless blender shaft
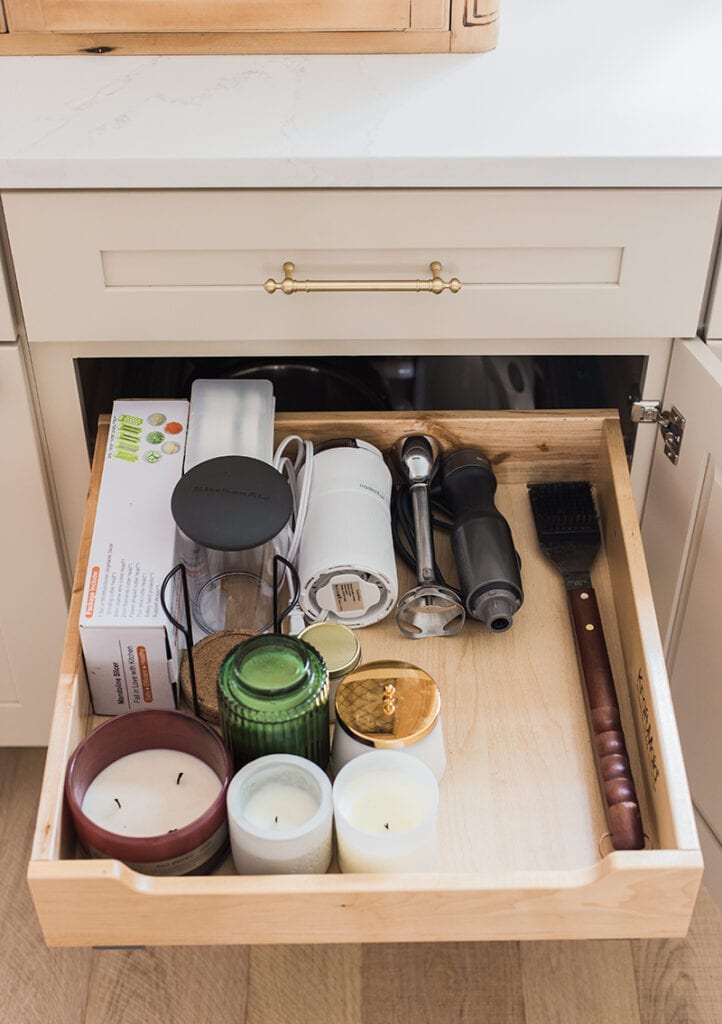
{"points": [[429, 609], [425, 572]]}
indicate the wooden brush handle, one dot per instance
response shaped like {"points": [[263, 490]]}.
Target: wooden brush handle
{"points": [[615, 772]]}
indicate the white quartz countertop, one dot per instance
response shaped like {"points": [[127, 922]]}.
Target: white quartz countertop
{"points": [[578, 93]]}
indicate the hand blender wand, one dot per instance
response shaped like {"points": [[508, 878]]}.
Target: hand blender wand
{"points": [[481, 540], [430, 608]]}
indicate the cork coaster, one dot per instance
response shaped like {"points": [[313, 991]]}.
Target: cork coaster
{"points": [[208, 654]]}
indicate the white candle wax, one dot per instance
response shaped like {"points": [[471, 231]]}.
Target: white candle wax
{"points": [[151, 792], [280, 817], [277, 806], [385, 806]]}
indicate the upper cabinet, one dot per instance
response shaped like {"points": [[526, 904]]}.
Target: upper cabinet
{"points": [[254, 26]]}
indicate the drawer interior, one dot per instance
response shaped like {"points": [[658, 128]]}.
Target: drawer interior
{"points": [[520, 803]]}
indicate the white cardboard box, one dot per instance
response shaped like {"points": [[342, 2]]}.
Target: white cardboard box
{"points": [[127, 641]]}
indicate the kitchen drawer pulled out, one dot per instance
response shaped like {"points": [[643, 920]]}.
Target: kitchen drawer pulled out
{"points": [[522, 847]]}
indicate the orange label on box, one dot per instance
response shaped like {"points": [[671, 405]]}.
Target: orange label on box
{"points": [[145, 675], [92, 591]]}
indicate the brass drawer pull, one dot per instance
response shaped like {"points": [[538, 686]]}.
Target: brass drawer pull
{"points": [[289, 286]]}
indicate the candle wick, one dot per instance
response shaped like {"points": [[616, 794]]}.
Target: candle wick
{"points": [[386, 825], [276, 819], [117, 801], [180, 776], [172, 830]]}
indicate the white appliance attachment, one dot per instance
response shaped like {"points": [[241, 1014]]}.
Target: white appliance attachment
{"points": [[346, 560]]}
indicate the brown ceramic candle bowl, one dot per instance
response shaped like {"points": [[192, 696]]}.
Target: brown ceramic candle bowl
{"points": [[193, 849]]}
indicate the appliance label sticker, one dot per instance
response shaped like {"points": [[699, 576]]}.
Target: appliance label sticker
{"points": [[348, 597]]}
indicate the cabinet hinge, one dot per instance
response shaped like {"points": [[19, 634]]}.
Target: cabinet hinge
{"points": [[671, 424]]}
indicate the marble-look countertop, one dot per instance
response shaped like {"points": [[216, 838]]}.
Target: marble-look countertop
{"points": [[577, 94]]}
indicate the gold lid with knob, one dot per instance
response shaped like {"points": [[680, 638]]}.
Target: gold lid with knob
{"points": [[388, 704]]}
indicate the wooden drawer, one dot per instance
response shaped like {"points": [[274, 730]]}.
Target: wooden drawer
{"points": [[190, 266], [522, 824]]}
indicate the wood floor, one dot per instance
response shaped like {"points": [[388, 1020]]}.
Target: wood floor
{"points": [[660, 982]]}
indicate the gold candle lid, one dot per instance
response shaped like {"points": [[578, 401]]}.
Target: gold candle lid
{"points": [[337, 644], [388, 704]]}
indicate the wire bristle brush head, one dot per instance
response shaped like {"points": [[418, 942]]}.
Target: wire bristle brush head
{"points": [[566, 523]]}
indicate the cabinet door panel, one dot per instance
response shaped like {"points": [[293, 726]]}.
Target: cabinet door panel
{"points": [[212, 15], [7, 326], [32, 595], [714, 309], [682, 530]]}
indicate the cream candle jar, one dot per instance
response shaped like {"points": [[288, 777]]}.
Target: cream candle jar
{"points": [[385, 806], [280, 816], [389, 705]]}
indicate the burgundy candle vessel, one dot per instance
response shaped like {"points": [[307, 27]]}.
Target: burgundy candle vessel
{"points": [[193, 848]]}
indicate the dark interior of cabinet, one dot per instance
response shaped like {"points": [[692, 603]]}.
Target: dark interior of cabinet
{"points": [[378, 383]]}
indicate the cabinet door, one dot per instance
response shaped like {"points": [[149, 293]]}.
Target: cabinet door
{"points": [[7, 326], [714, 309], [225, 15], [682, 532], [32, 595]]}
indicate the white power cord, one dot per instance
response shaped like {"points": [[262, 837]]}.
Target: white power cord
{"points": [[289, 540]]}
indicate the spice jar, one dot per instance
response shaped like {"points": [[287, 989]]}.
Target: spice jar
{"points": [[389, 705], [339, 647], [273, 699]]}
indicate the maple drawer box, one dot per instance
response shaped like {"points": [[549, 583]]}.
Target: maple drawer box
{"points": [[523, 853]]}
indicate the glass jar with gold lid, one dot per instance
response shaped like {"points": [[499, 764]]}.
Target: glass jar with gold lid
{"points": [[389, 705], [339, 647]]}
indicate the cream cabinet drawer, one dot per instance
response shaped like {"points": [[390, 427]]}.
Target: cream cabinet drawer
{"points": [[190, 266], [522, 850]]}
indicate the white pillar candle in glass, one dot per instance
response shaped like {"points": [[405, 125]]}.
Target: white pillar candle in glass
{"points": [[280, 817], [151, 792], [385, 806]]}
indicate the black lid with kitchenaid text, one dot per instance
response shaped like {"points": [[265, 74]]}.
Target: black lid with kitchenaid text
{"points": [[231, 503]]}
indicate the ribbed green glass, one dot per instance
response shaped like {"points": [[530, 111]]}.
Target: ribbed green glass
{"points": [[273, 699]]}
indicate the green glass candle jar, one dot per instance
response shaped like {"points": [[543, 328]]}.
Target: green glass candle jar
{"points": [[273, 699]]}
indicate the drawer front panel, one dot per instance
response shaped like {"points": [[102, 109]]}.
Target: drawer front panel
{"points": [[522, 851], [190, 266]]}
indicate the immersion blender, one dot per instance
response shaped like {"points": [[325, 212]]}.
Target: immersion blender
{"points": [[483, 546], [430, 608]]}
